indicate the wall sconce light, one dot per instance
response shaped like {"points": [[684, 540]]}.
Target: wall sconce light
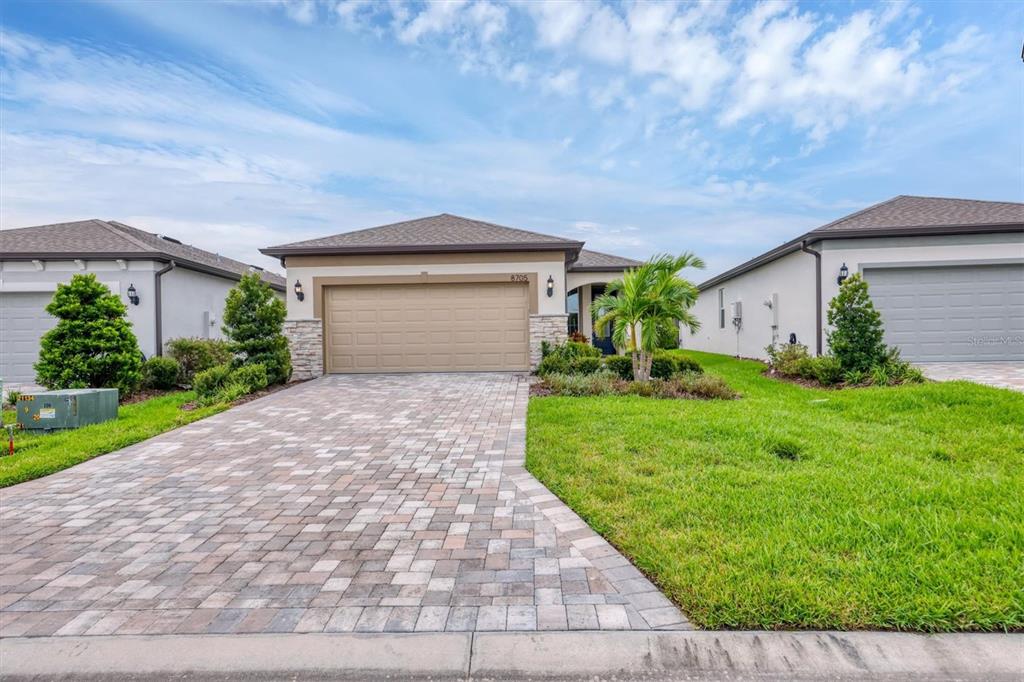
{"points": [[133, 295], [844, 272], [551, 286], [298, 291]]}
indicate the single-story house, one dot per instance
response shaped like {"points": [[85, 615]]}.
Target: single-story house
{"points": [[437, 294], [171, 289], [947, 276]]}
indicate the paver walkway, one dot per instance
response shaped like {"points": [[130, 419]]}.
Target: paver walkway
{"points": [[350, 503], [999, 374]]}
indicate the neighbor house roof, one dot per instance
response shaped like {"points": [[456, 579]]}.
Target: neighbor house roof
{"points": [[111, 239], [594, 261], [436, 234], [900, 216]]}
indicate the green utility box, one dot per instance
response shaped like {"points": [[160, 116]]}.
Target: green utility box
{"points": [[67, 409]]}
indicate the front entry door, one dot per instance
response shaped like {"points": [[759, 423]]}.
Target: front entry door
{"points": [[604, 343]]}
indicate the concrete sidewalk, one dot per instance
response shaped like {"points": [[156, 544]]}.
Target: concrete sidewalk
{"points": [[677, 655]]}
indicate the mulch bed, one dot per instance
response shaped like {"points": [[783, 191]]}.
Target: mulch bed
{"points": [[145, 394], [189, 406]]}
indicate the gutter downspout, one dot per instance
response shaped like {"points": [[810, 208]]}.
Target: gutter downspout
{"points": [[159, 306], [817, 293]]}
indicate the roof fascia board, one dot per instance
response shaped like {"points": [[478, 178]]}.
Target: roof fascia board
{"points": [[149, 255], [431, 248], [822, 234]]}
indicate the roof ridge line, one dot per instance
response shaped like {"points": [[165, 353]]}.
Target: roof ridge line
{"points": [[860, 212], [980, 201], [115, 227]]}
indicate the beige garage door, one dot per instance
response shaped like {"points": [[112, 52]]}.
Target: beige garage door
{"points": [[427, 327]]}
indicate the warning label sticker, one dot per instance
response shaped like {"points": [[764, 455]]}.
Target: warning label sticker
{"points": [[47, 413]]}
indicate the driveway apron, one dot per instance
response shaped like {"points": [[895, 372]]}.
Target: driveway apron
{"points": [[367, 503]]}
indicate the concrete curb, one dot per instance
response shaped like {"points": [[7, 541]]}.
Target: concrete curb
{"points": [[680, 655]]}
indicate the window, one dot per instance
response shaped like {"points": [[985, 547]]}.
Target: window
{"points": [[572, 306], [721, 308]]}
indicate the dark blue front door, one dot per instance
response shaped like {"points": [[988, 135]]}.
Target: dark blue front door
{"points": [[604, 343]]}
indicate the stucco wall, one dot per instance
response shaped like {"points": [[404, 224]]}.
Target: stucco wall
{"points": [[190, 301], [792, 278], [544, 265], [24, 276]]}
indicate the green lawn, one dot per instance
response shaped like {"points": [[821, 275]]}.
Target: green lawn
{"points": [[39, 454], [904, 507]]}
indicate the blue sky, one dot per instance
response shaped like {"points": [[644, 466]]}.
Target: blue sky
{"points": [[719, 128]]}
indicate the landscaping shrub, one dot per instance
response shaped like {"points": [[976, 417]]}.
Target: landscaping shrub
{"points": [[664, 365], [92, 344], [587, 365], [197, 355], [253, 323], [855, 377], [622, 365], [251, 377], [577, 337], [826, 370], [545, 349], [208, 382], [606, 382], [856, 336], [12, 398], [789, 359], [880, 375], [161, 373], [565, 358]]}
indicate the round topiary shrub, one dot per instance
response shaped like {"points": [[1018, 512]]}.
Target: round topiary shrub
{"points": [[160, 373]]}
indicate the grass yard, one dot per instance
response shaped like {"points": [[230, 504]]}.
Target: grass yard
{"points": [[39, 454], [891, 508]]}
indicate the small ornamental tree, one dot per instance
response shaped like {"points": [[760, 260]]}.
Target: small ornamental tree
{"points": [[253, 323], [92, 345], [856, 337]]}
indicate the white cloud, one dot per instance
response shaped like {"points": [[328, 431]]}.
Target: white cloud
{"points": [[792, 66], [558, 23], [564, 82]]}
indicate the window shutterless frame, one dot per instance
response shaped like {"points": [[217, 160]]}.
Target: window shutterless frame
{"points": [[721, 308]]}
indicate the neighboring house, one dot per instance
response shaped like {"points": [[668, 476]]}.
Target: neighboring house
{"points": [[437, 294], [180, 289], [947, 276]]}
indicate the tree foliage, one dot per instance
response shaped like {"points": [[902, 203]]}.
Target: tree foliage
{"points": [[253, 323], [856, 336], [92, 345], [646, 305]]}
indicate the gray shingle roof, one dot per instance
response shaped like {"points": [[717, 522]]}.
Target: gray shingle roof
{"points": [[927, 213], [903, 215], [595, 261], [438, 233], [110, 239]]}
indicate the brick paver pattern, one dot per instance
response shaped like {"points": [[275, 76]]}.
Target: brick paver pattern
{"points": [[999, 374], [351, 503]]}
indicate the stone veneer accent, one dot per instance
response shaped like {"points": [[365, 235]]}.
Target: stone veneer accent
{"points": [[306, 343], [551, 328]]}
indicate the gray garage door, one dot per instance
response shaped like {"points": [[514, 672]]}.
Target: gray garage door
{"points": [[23, 319], [961, 313]]}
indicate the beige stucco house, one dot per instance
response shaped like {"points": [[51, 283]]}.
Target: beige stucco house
{"points": [[440, 294]]}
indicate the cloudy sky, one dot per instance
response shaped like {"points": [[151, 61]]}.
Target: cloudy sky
{"points": [[720, 128]]}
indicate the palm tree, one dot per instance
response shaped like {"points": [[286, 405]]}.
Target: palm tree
{"points": [[645, 304]]}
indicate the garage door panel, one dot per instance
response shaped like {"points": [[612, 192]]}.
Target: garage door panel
{"points": [[23, 321], [427, 327], [952, 313]]}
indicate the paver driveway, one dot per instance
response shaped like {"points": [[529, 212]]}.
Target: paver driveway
{"points": [[350, 503]]}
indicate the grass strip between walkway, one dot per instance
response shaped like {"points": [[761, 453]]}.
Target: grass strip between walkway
{"points": [[895, 508], [40, 454]]}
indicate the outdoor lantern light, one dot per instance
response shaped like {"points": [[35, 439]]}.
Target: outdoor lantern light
{"points": [[298, 290], [844, 272], [133, 296], [551, 286]]}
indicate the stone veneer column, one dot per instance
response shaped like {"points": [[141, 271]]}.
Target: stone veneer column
{"points": [[551, 328], [306, 343]]}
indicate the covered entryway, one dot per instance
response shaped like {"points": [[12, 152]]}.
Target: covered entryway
{"points": [[23, 321], [971, 313], [427, 327]]}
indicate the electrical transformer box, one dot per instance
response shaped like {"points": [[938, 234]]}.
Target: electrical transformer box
{"points": [[67, 409]]}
